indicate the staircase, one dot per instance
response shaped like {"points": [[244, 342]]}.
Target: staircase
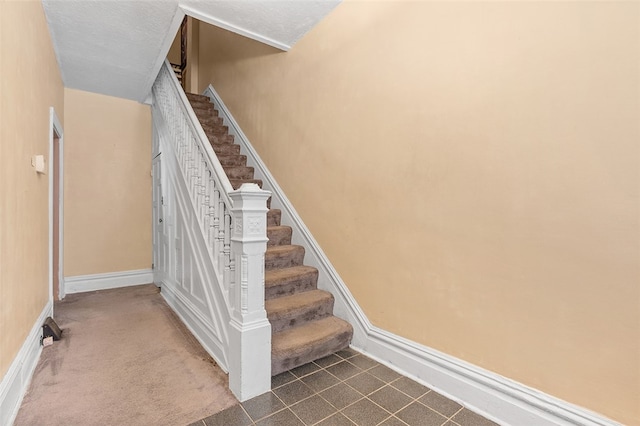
{"points": [[302, 323]]}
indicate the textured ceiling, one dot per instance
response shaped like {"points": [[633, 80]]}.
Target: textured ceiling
{"points": [[116, 47]]}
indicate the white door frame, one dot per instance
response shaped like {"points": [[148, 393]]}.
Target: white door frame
{"points": [[56, 128]]}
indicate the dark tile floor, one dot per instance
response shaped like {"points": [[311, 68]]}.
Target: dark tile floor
{"points": [[346, 388]]}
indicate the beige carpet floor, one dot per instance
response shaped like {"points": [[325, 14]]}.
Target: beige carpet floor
{"points": [[124, 359]]}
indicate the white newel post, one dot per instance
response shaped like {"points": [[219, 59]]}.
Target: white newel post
{"points": [[250, 331]]}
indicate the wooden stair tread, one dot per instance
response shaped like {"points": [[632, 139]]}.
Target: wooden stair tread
{"points": [[239, 172], [286, 281], [232, 160], [300, 345], [313, 332], [273, 217], [284, 256], [273, 276], [298, 309], [284, 248], [196, 97], [283, 305], [279, 235]]}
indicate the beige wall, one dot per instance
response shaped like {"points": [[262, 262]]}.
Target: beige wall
{"points": [[193, 53], [107, 210], [471, 170], [30, 83]]}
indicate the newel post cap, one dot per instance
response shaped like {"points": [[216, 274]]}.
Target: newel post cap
{"points": [[249, 197]]}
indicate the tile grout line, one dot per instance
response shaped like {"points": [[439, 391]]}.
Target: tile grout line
{"points": [[294, 413], [321, 368], [359, 370], [344, 381], [299, 378], [400, 409], [245, 412], [340, 381], [386, 384], [412, 400], [288, 406], [454, 414]]}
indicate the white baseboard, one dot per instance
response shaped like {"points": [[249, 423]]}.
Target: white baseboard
{"points": [[83, 283], [16, 381], [500, 399]]}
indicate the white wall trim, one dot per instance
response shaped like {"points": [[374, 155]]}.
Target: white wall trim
{"points": [[84, 283], [56, 127], [496, 397], [234, 28], [16, 380]]}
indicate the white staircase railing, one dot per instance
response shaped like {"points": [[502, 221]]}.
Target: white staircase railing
{"points": [[209, 243]]}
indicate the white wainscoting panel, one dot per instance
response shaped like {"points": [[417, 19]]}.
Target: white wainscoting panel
{"points": [[184, 265]]}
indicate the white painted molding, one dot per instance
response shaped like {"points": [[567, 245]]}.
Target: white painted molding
{"points": [[84, 283], [496, 397], [234, 28], [208, 321], [56, 127], [249, 328], [197, 323], [16, 381]]}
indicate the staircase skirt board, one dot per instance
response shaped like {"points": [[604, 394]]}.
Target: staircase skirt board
{"points": [[301, 316]]}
